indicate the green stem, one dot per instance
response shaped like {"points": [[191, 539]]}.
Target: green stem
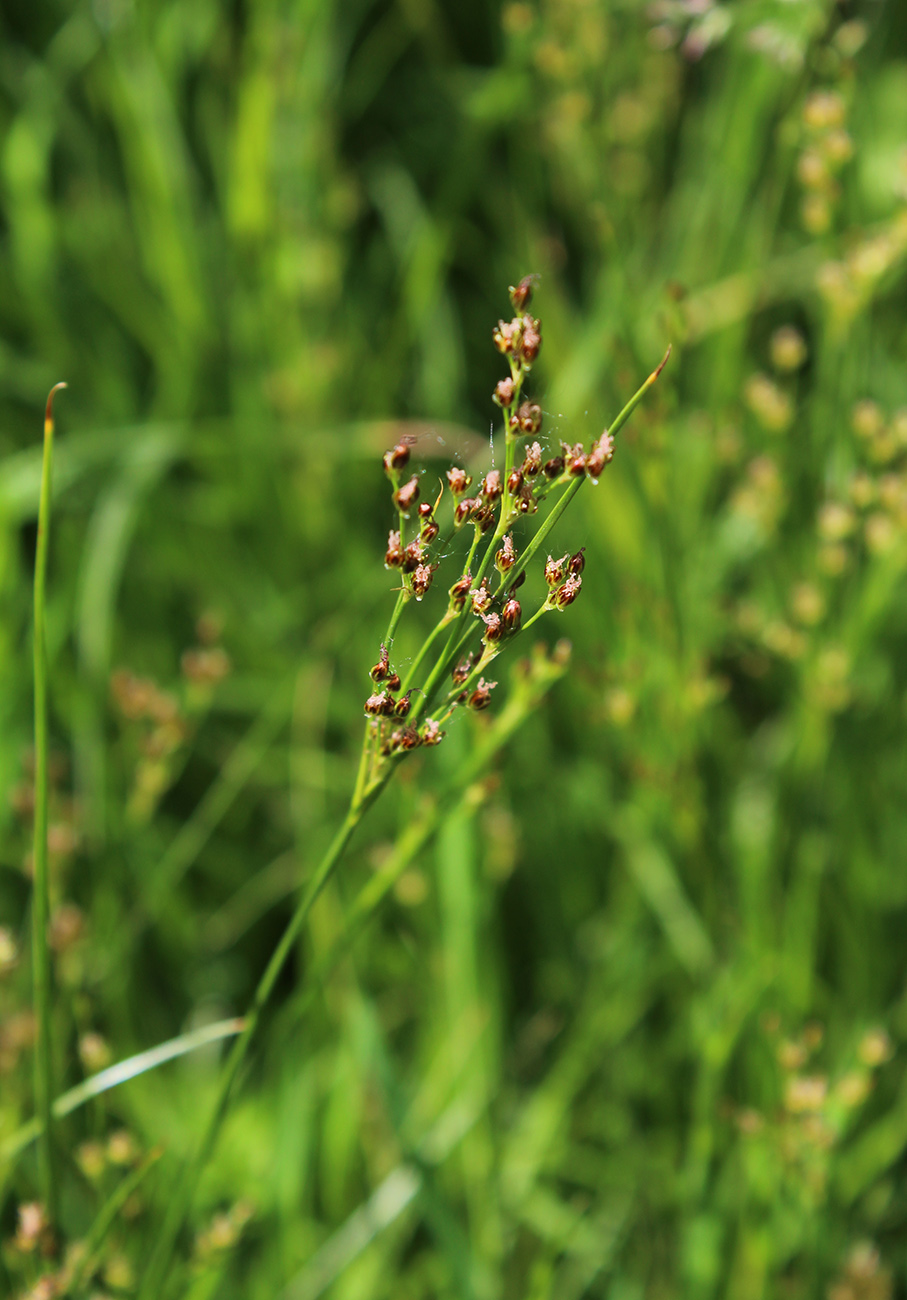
{"points": [[41, 893], [402, 598], [159, 1263]]}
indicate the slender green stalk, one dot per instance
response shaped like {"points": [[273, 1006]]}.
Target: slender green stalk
{"points": [[41, 891], [159, 1263]]}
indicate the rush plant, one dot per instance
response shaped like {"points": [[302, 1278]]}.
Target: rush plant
{"points": [[482, 531], [482, 619]]}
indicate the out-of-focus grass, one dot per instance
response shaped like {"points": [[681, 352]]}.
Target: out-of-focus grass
{"points": [[630, 1024]]}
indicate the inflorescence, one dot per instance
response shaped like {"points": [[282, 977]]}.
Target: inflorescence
{"points": [[482, 604]]}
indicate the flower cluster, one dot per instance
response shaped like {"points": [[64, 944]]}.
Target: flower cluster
{"points": [[482, 603]]}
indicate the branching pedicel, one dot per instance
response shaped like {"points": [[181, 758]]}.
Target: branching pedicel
{"points": [[482, 606]]}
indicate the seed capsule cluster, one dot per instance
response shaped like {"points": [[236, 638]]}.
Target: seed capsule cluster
{"points": [[481, 603]]}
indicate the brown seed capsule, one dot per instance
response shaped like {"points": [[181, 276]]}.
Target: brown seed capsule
{"points": [[526, 502], [397, 457], [392, 683], [577, 562], [530, 417], [511, 614], [481, 598], [462, 670], [553, 467], [521, 293], [413, 556], [481, 696], [601, 454], [503, 393], [518, 582], [380, 705], [506, 556], [505, 336], [429, 532], [425, 510], [494, 626], [407, 496], [574, 458], [393, 558], [382, 667], [401, 708], [530, 340], [464, 508], [431, 733], [491, 488], [533, 461], [556, 571], [514, 481], [422, 579], [567, 594], [458, 479], [459, 591], [483, 517]]}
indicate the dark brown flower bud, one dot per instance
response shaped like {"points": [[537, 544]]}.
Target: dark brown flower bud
{"points": [[491, 488], [506, 556], [503, 393], [517, 582], [382, 667], [407, 496], [494, 626], [556, 571], [393, 683], [428, 532], [397, 457], [422, 579], [481, 696], [514, 481], [462, 670], [393, 558], [554, 467], [567, 594], [413, 556], [481, 598], [401, 708], [425, 510], [530, 340], [577, 562], [458, 479], [459, 591], [511, 614], [533, 461], [521, 293]]}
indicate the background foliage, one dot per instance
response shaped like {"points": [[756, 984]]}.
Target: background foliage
{"points": [[630, 1025]]}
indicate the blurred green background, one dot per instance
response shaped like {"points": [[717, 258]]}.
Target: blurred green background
{"points": [[630, 1024]]}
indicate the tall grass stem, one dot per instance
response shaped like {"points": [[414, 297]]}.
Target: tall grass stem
{"points": [[41, 973]]}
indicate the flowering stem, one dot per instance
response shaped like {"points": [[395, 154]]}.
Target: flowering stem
{"points": [[41, 893], [402, 599], [158, 1264]]}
